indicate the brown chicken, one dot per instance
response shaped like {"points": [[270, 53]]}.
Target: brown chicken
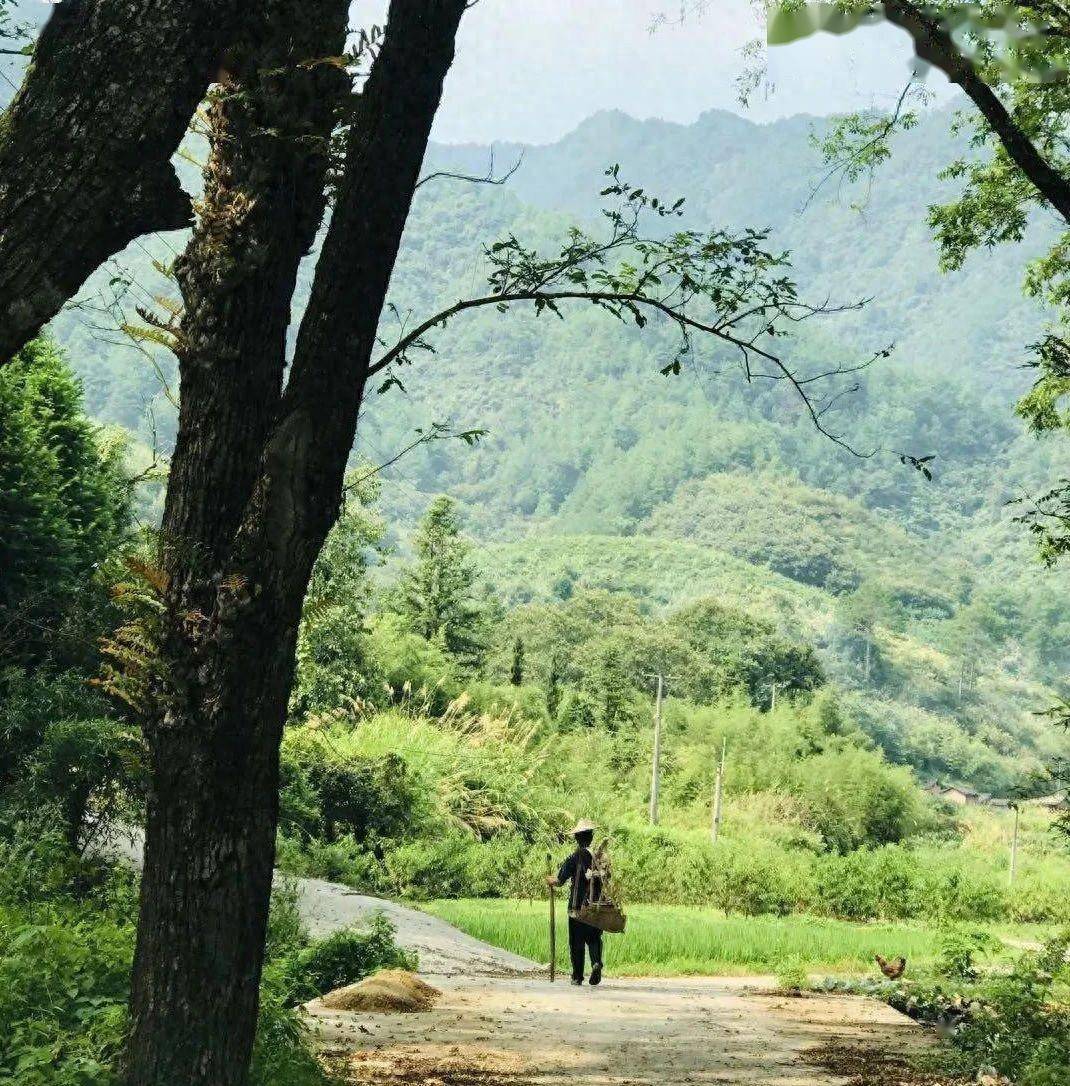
{"points": [[892, 970]]}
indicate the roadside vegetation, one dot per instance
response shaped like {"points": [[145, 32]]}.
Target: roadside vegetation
{"points": [[67, 929], [72, 766], [1004, 1020]]}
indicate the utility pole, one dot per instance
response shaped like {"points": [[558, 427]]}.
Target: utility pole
{"points": [[655, 773], [774, 687], [718, 791], [1014, 848]]}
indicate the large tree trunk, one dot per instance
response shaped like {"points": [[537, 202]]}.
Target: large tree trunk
{"points": [[85, 147], [232, 610], [255, 486], [210, 846]]}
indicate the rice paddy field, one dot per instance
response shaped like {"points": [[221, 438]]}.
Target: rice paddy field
{"points": [[671, 940]]}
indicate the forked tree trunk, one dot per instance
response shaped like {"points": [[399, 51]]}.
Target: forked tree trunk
{"points": [[85, 147], [255, 486], [232, 612]]}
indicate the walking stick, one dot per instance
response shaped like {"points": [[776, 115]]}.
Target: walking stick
{"points": [[553, 921]]}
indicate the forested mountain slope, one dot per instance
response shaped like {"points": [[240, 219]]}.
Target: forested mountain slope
{"points": [[598, 470]]}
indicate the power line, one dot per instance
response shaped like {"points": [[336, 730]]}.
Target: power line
{"points": [[163, 241]]}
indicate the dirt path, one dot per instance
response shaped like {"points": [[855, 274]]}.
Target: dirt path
{"points": [[501, 1023], [625, 1033], [326, 907], [443, 950]]}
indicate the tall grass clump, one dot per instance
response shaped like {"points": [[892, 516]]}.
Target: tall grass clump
{"points": [[469, 789]]}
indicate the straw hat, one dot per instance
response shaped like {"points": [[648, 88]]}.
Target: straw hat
{"points": [[584, 825]]}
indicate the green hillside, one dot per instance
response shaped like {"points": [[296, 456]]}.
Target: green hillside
{"points": [[922, 598]]}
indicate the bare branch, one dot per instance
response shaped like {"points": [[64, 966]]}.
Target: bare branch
{"points": [[487, 179], [438, 431], [156, 470], [863, 156]]}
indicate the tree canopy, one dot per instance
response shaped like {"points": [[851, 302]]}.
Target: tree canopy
{"points": [[64, 501]]}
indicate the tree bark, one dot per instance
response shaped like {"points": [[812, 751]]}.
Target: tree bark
{"points": [[231, 620], [264, 200], [337, 337], [210, 846], [85, 147], [255, 486]]}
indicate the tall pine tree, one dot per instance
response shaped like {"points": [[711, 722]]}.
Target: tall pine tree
{"points": [[516, 672], [333, 666], [64, 501], [436, 595]]}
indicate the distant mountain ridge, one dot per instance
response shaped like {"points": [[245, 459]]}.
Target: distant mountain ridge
{"points": [[587, 440]]}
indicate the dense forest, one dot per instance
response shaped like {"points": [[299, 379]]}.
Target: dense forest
{"points": [[922, 597]]}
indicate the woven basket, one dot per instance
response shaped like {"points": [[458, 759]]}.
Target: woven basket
{"points": [[603, 915]]}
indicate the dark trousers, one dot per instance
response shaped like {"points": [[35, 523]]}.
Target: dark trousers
{"points": [[582, 936]]}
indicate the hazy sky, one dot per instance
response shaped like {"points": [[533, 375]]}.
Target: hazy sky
{"points": [[531, 70]]}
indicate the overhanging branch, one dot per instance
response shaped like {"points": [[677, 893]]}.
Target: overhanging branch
{"points": [[680, 319], [933, 43], [725, 286], [486, 179]]}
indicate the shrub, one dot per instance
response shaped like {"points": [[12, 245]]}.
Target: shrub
{"points": [[63, 992], [1039, 900], [755, 881], [66, 946], [959, 951], [791, 976], [91, 769], [58, 748], [844, 887], [408, 662], [327, 792], [282, 1054], [286, 930], [749, 877], [1021, 1026], [958, 894], [455, 865], [343, 861], [577, 710], [341, 958], [853, 798]]}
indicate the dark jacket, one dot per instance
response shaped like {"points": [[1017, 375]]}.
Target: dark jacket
{"points": [[574, 871]]}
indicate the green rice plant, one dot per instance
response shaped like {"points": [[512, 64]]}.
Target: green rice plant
{"points": [[671, 940]]}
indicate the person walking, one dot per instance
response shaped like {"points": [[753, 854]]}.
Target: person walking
{"points": [[578, 871]]}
